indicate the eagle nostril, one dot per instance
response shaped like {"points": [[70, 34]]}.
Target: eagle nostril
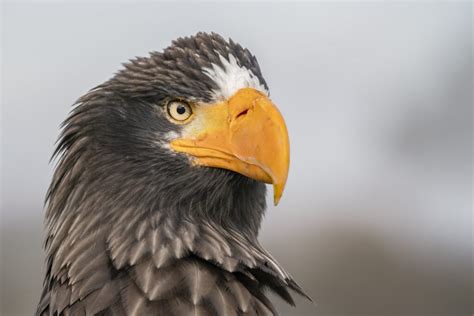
{"points": [[244, 112]]}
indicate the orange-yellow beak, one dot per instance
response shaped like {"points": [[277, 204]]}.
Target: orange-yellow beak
{"points": [[245, 134]]}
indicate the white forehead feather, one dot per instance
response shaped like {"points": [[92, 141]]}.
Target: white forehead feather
{"points": [[231, 77]]}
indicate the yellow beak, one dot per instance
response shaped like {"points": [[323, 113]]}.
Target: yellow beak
{"points": [[245, 134]]}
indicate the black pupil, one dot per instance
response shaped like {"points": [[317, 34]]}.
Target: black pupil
{"points": [[181, 109]]}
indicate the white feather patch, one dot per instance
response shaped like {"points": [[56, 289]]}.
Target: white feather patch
{"points": [[231, 77]]}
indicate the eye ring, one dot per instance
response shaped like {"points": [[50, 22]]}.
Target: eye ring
{"points": [[179, 111]]}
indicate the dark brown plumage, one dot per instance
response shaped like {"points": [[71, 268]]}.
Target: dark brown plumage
{"points": [[133, 229]]}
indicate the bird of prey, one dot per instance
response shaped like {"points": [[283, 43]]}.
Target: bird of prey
{"points": [[159, 189]]}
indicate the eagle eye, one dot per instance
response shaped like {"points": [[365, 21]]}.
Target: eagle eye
{"points": [[179, 111]]}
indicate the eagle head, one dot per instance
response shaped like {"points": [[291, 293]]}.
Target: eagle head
{"points": [[158, 194]]}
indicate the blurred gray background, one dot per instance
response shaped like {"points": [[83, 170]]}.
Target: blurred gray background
{"points": [[376, 218]]}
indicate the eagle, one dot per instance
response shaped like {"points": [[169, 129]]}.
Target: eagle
{"points": [[158, 193]]}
